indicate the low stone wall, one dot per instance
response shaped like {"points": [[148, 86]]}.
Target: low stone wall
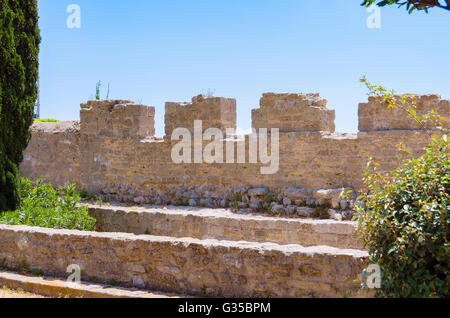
{"points": [[191, 266], [224, 225]]}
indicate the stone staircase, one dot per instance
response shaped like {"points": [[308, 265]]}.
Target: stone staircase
{"points": [[222, 224], [198, 252]]}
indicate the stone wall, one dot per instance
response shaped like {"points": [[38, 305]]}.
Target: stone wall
{"points": [[53, 153], [186, 265], [114, 153]]}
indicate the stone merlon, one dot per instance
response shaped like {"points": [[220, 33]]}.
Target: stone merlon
{"points": [[214, 112], [293, 112]]}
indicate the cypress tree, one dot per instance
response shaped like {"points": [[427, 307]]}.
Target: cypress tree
{"points": [[19, 50]]}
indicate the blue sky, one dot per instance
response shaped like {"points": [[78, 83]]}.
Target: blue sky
{"points": [[153, 51]]}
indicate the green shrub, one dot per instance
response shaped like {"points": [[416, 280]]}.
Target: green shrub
{"points": [[42, 205], [404, 222], [403, 218]]}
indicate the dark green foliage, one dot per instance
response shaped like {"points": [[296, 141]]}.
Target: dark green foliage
{"points": [[411, 5], [87, 195], [321, 212], [42, 205], [19, 48]]}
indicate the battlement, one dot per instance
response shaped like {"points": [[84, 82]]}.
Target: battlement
{"points": [[293, 112], [110, 152], [376, 116], [121, 118], [215, 112], [287, 112]]}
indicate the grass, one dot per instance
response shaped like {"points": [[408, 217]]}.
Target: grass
{"points": [[203, 292], [37, 272], [87, 195], [46, 120]]}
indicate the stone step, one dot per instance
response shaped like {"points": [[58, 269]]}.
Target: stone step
{"points": [[59, 288], [222, 224], [187, 265]]}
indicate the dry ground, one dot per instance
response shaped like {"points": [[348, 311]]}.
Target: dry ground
{"points": [[5, 292]]}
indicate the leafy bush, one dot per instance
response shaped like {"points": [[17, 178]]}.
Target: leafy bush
{"points": [[403, 220], [42, 205]]}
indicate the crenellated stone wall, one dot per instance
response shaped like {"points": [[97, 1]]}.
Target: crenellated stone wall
{"points": [[113, 151]]}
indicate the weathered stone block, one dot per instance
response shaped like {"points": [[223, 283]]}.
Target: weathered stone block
{"points": [[214, 112], [301, 194], [375, 115], [118, 118], [293, 112]]}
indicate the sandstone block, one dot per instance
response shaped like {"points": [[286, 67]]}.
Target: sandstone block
{"points": [[214, 112], [293, 112], [291, 210], [297, 193], [376, 116], [278, 208], [287, 201], [305, 212], [257, 192]]}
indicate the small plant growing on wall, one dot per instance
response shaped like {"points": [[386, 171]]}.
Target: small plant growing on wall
{"points": [[97, 90]]}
